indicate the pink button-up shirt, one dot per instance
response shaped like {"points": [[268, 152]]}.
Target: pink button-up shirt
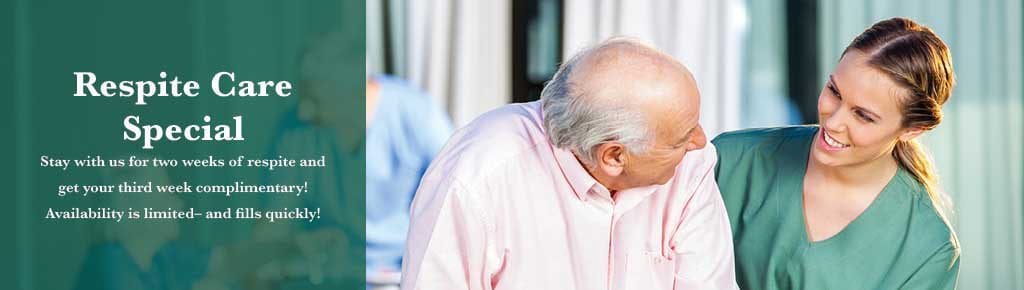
{"points": [[502, 208]]}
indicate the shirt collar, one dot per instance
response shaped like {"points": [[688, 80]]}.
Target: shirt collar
{"points": [[577, 176], [582, 183]]}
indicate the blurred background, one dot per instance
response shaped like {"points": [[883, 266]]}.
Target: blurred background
{"points": [[758, 63]]}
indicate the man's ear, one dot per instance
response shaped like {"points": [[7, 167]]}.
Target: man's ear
{"points": [[911, 133], [611, 158]]}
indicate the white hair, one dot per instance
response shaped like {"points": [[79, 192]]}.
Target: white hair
{"points": [[580, 124]]}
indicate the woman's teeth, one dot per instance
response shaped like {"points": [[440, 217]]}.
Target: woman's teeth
{"points": [[833, 143]]}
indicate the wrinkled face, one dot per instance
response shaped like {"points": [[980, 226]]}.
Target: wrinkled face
{"points": [[860, 114], [677, 131]]}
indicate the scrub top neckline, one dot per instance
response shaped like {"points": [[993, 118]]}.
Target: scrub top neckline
{"points": [[798, 190]]}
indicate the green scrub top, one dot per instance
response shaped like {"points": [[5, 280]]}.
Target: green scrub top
{"points": [[898, 242]]}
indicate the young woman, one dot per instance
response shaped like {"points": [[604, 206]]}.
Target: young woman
{"points": [[851, 203]]}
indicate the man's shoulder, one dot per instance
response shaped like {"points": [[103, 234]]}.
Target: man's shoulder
{"points": [[512, 120], [497, 137], [508, 128]]}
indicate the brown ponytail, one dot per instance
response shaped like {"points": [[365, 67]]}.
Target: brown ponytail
{"points": [[911, 155], [920, 62]]}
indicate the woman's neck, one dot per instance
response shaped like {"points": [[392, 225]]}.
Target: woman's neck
{"points": [[877, 171]]}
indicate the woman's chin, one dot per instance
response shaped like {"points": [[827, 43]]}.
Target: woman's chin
{"points": [[824, 158]]}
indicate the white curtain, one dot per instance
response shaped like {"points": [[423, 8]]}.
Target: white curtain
{"points": [[705, 35], [458, 51]]}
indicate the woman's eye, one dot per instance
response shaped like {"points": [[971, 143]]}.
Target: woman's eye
{"points": [[864, 117], [832, 89]]}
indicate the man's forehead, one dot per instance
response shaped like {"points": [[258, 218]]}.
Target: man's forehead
{"points": [[676, 125]]}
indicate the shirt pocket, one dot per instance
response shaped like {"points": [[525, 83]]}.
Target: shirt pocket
{"points": [[649, 270]]}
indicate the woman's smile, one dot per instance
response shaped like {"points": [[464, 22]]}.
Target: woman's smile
{"points": [[831, 144]]}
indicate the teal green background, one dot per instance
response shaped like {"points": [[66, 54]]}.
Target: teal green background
{"points": [[135, 40]]}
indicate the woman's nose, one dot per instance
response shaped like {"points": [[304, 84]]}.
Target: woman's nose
{"points": [[835, 121]]}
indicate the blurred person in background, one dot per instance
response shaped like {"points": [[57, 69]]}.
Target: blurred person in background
{"points": [[404, 130], [851, 203]]}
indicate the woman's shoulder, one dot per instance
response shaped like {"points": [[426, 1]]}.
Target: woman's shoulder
{"points": [[928, 221], [752, 138], [766, 133]]}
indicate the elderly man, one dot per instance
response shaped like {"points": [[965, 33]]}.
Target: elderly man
{"points": [[606, 183]]}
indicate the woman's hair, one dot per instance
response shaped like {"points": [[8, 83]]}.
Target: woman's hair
{"points": [[918, 61]]}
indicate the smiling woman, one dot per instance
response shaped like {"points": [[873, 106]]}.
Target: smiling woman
{"points": [[853, 198]]}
